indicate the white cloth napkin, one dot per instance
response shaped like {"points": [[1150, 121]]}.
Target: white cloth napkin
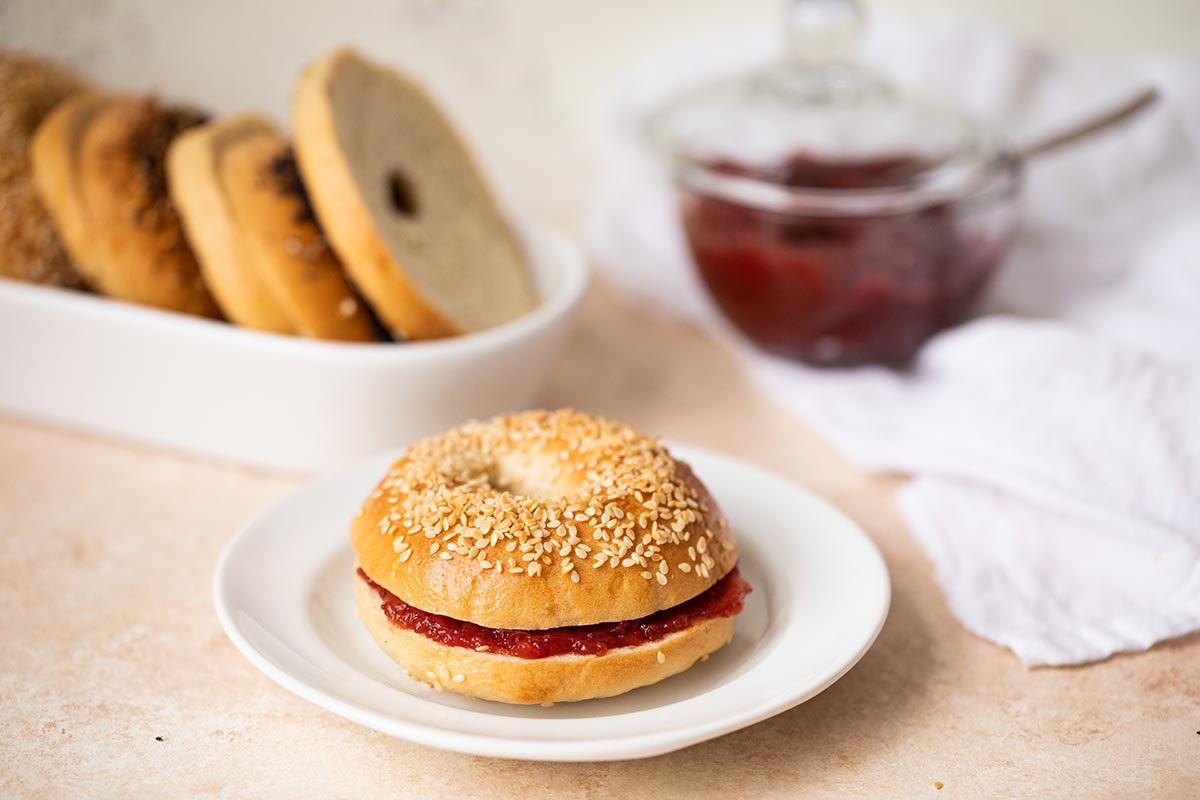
{"points": [[1054, 442]]}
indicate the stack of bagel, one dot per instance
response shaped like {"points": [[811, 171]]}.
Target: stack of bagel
{"points": [[372, 222]]}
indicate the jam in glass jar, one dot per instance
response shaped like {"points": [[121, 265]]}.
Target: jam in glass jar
{"points": [[833, 217]]}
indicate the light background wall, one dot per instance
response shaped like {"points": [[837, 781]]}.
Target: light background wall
{"points": [[522, 76]]}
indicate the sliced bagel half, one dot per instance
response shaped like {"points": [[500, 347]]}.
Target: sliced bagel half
{"points": [[287, 245], [403, 203], [195, 164], [30, 247], [99, 169], [52, 156]]}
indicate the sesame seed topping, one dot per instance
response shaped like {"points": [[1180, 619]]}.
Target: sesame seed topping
{"points": [[662, 659], [543, 487]]}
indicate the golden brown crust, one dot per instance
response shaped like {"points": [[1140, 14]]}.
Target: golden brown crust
{"points": [[30, 248], [598, 524], [194, 164], [556, 679], [113, 208], [339, 204], [52, 155], [287, 246]]}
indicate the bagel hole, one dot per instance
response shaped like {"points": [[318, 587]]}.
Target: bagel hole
{"points": [[401, 194], [517, 485], [526, 477]]}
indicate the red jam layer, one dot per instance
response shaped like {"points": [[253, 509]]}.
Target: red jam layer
{"points": [[724, 599]]}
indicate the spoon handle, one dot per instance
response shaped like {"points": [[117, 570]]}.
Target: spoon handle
{"points": [[1088, 127]]}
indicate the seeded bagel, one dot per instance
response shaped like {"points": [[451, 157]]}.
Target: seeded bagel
{"points": [[403, 203], [30, 248], [99, 168], [542, 520]]}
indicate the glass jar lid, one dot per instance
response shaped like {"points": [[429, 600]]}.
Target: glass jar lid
{"points": [[819, 128]]}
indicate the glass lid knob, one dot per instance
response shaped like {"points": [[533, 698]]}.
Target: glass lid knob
{"points": [[822, 30]]}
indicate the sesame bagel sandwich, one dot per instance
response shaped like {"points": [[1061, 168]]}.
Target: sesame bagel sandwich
{"points": [[544, 557]]}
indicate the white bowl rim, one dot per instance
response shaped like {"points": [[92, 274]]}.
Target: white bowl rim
{"points": [[567, 261]]}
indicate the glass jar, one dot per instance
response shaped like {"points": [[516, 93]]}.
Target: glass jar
{"points": [[835, 218]]}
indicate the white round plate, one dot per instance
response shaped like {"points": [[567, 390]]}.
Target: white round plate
{"points": [[284, 595]]}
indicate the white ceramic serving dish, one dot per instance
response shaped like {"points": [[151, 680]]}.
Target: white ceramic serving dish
{"points": [[821, 595], [210, 388]]}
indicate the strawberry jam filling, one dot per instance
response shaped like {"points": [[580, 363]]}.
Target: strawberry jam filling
{"points": [[724, 599]]}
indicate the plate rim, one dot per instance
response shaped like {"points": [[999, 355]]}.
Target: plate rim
{"points": [[626, 747]]}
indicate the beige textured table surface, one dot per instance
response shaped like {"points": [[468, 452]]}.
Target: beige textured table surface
{"points": [[108, 640]]}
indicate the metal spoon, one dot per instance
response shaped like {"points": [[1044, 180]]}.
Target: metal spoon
{"points": [[1088, 127]]}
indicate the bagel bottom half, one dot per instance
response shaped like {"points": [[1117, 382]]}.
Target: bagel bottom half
{"points": [[555, 679]]}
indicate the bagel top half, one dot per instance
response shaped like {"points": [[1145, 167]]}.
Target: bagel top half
{"points": [[542, 520]]}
